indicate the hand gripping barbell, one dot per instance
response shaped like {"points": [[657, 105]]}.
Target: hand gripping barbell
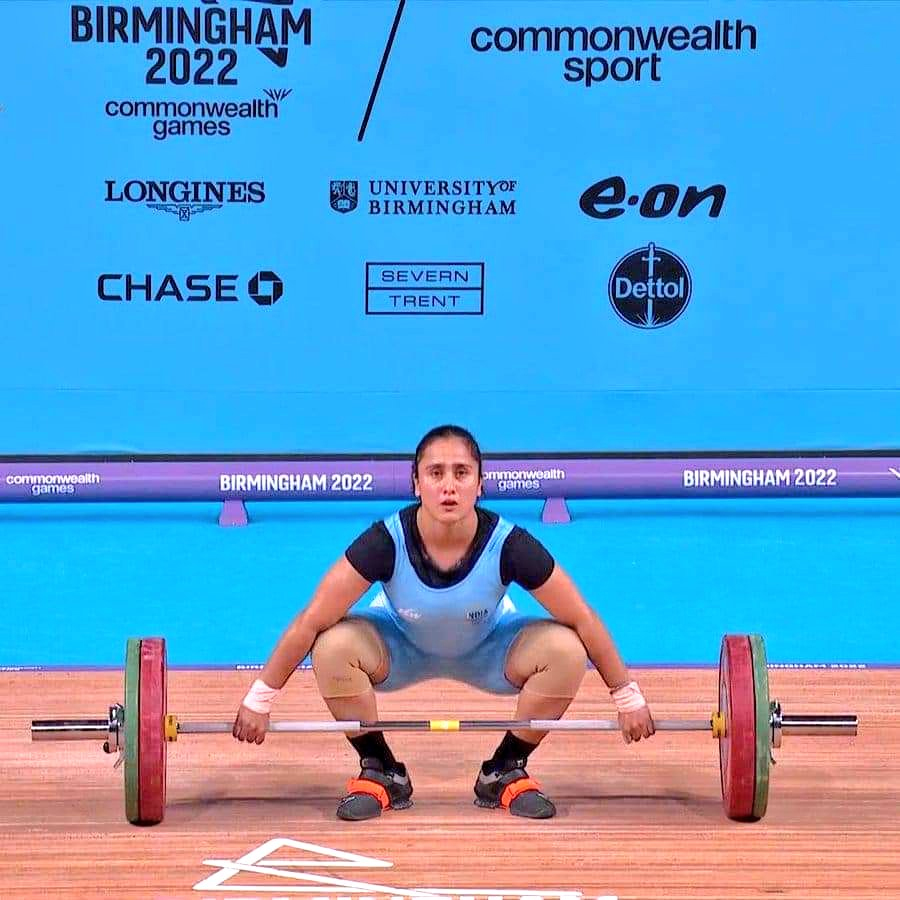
{"points": [[746, 724]]}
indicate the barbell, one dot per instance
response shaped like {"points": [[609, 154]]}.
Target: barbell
{"points": [[746, 723]]}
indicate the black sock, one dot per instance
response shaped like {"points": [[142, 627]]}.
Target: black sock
{"points": [[372, 743], [509, 750]]}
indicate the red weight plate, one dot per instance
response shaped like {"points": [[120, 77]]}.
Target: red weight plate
{"points": [[151, 734], [737, 750]]}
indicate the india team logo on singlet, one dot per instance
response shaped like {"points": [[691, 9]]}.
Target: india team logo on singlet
{"points": [[477, 615]]}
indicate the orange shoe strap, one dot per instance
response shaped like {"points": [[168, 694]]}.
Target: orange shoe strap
{"points": [[514, 788], [364, 786]]}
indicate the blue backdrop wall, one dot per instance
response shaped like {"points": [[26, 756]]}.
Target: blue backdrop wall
{"points": [[223, 231]]}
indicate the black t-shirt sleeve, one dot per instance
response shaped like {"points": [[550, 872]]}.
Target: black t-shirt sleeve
{"points": [[372, 553], [525, 560]]}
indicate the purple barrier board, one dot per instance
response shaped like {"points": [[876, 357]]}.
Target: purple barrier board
{"points": [[552, 478]]}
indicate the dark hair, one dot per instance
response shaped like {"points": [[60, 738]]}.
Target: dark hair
{"points": [[446, 431]]}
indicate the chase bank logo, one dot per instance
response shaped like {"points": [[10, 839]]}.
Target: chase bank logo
{"points": [[266, 288], [650, 287]]}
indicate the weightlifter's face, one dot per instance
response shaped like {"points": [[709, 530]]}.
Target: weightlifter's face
{"points": [[447, 480]]}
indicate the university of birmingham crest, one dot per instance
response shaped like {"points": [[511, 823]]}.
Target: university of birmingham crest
{"points": [[344, 195]]}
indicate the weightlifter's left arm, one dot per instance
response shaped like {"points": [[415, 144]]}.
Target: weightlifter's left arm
{"points": [[561, 598]]}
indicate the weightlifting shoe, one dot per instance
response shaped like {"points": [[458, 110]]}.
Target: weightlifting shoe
{"points": [[512, 788], [375, 789]]}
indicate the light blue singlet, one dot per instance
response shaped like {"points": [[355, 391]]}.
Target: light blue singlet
{"points": [[462, 632]]}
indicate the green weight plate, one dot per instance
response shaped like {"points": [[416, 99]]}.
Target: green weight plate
{"points": [[132, 729], [763, 726]]}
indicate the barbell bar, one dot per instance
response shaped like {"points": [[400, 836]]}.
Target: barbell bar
{"points": [[99, 729]]}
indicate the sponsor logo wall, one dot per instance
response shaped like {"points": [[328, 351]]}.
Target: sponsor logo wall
{"points": [[512, 215]]}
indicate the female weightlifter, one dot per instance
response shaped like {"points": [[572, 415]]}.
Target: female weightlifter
{"points": [[444, 564]]}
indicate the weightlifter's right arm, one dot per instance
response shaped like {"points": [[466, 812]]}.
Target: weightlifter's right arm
{"points": [[339, 589]]}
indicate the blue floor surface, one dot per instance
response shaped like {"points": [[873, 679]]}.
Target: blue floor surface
{"points": [[818, 578]]}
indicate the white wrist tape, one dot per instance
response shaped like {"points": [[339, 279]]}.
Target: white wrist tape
{"points": [[260, 697], [628, 698]]}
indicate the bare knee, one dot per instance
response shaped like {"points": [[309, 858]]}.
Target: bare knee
{"points": [[347, 659], [570, 651], [338, 642], [549, 659]]}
